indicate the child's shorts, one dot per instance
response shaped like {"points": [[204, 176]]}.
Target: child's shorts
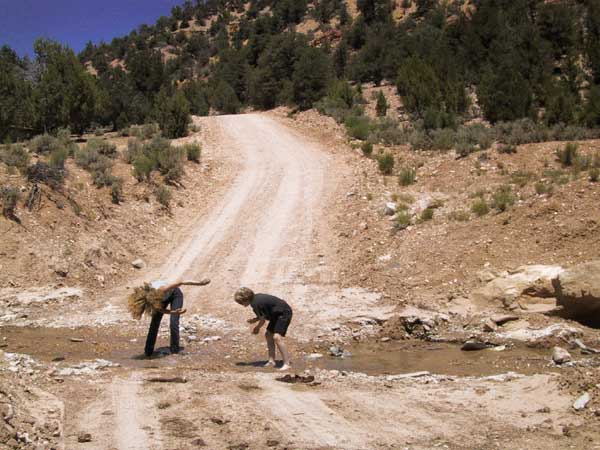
{"points": [[280, 323]]}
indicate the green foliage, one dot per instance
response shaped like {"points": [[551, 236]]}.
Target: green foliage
{"points": [[14, 155], [193, 152], [358, 126], [102, 147], [10, 195], [163, 195], [142, 167], [367, 149], [459, 215], [505, 94], [44, 144], [426, 214], [543, 188], [521, 177], [385, 162], [407, 176], [312, 74], [594, 174], [480, 207], [146, 131], [58, 157], [503, 198], [116, 190], [382, 105], [403, 220], [224, 98], [568, 155], [172, 112]]}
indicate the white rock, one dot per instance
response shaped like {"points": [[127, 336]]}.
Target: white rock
{"points": [[390, 209], [581, 402], [138, 264], [560, 355]]}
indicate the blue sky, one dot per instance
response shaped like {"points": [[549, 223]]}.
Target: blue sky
{"points": [[74, 22]]}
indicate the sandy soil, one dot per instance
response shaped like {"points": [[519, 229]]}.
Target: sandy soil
{"points": [[270, 229]]}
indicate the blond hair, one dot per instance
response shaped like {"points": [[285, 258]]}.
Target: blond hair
{"points": [[243, 295]]}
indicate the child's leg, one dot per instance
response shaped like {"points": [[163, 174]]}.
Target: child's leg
{"points": [[176, 303], [283, 350], [271, 347], [152, 334]]}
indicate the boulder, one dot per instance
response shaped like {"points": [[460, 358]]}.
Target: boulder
{"points": [[581, 402], [526, 280], [578, 292], [560, 356]]}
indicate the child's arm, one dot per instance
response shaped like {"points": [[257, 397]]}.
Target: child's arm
{"points": [[203, 282], [257, 328], [253, 320]]}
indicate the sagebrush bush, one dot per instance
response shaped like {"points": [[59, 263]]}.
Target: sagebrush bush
{"points": [[385, 163], [521, 177], [142, 167], [542, 188], [507, 149], [503, 198], [419, 140], [134, 149], [367, 149], [387, 131], [116, 190], [459, 215], [163, 195], [407, 176], [146, 131], [443, 139], [15, 155], [480, 207], [58, 157], [44, 143], [102, 147], [594, 174], [193, 152], [427, 214], [10, 195]]}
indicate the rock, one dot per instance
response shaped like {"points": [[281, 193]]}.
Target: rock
{"points": [[61, 271], [581, 402], [364, 226], [490, 326], [218, 421], [138, 264], [84, 437], [336, 351], [578, 291], [404, 376], [474, 345], [504, 318], [75, 339], [390, 209], [560, 355], [314, 356], [526, 280], [198, 442], [272, 443], [584, 348]]}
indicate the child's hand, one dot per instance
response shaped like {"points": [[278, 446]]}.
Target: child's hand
{"points": [[256, 330], [253, 320], [179, 311]]}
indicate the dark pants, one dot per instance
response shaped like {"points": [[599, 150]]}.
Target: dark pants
{"points": [[175, 300]]}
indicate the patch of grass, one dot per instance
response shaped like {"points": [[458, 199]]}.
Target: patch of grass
{"points": [[443, 139], [521, 177], [385, 163], [163, 195], [459, 215], [44, 144], [358, 127], [557, 176], [480, 207], [403, 220], [103, 147], [407, 176], [406, 198], [594, 174], [426, 214], [193, 152], [116, 190], [503, 198], [58, 157], [507, 149], [135, 148], [10, 196], [568, 155], [367, 149]]}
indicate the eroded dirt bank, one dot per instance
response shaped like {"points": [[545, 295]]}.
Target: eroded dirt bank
{"points": [[273, 228]]}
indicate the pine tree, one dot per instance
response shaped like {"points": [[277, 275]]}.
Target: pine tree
{"points": [[172, 112], [312, 74]]}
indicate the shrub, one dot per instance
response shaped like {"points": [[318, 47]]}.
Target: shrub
{"points": [[146, 131], [170, 163], [15, 156], [382, 105], [134, 149], [102, 147], [403, 220], [99, 166], [443, 139], [407, 176], [568, 155], [594, 174], [503, 198], [40, 172], [426, 214], [44, 143], [557, 176], [386, 163], [172, 113], [367, 149], [507, 149], [193, 152], [142, 167], [58, 157], [480, 207], [163, 195], [9, 195], [388, 132], [358, 127], [419, 140], [521, 177], [116, 190]]}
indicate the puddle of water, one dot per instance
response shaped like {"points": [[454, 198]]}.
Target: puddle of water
{"points": [[444, 359]]}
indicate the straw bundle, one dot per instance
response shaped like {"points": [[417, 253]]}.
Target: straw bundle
{"points": [[144, 300]]}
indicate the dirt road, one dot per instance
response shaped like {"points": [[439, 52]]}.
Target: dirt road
{"points": [[269, 230]]}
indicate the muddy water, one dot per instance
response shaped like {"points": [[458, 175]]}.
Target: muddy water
{"points": [[397, 357], [443, 359]]}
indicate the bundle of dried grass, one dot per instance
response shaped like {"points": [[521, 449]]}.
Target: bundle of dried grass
{"points": [[144, 300]]}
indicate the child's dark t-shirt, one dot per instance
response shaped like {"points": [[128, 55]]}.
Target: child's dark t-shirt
{"points": [[269, 307]]}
